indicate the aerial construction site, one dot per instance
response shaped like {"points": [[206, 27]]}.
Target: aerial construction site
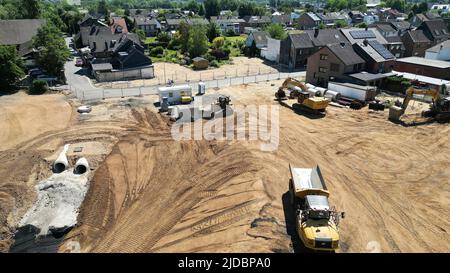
{"points": [[339, 179]]}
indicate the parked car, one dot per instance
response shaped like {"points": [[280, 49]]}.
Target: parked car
{"points": [[73, 51], [79, 62]]}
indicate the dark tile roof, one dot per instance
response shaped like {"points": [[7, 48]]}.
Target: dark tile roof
{"points": [[385, 28], [326, 36], [260, 37], [418, 36], [437, 28], [345, 53], [393, 39], [403, 25], [16, 32], [301, 40], [145, 21]]}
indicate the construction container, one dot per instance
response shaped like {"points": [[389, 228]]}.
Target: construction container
{"points": [[354, 91], [175, 93]]}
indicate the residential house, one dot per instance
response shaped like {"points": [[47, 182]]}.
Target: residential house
{"points": [[401, 27], [309, 20], [426, 67], [435, 30], [378, 59], [329, 19], [19, 33], [356, 16], [118, 25], [174, 24], [126, 61], [283, 19], [415, 42], [259, 37], [388, 15], [149, 25], [355, 35], [418, 19], [442, 8], [371, 17], [228, 24], [440, 51], [334, 62], [139, 12], [295, 50], [257, 21], [394, 42], [272, 51]]}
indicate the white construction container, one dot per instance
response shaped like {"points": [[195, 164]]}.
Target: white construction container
{"points": [[174, 93], [354, 91]]}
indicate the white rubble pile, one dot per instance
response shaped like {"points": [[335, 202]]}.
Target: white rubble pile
{"points": [[58, 201]]}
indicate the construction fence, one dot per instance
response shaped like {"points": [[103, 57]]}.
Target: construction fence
{"points": [[128, 90]]}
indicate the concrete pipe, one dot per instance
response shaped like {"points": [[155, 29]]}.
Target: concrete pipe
{"points": [[81, 166], [61, 161], [333, 95], [313, 92], [308, 85], [321, 91]]}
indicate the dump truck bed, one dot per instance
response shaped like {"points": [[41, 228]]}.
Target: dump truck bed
{"points": [[308, 181]]}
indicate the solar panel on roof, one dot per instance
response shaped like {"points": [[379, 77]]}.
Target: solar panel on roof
{"points": [[381, 49], [362, 34]]}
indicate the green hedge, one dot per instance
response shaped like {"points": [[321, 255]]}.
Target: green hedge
{"points": [[38, 87]]}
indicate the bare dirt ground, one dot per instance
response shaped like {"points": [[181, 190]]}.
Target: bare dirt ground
{"points": [[154, 194], [239, 67]]}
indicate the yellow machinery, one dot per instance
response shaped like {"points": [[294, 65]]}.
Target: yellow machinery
{"points": [[316, 223], [306, 101], [439, 108]]}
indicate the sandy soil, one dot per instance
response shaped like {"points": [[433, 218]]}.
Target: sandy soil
{"points": [[153, 194], [240, 66], [33, 130]]}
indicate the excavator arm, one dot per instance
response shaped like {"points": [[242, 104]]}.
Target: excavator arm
{"points": [[396, 112]]}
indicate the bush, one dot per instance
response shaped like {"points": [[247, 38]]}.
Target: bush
{"points": [[209, 57], [218, 42], [159, 50], [163, 37], [219, 54], [38, 87], [214, 63]]}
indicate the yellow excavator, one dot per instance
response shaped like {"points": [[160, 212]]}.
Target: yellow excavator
{"points": [[305, 101], [439, 107], [316, 222]]}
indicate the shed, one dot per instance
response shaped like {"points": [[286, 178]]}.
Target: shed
{"points": [[200, 63]]}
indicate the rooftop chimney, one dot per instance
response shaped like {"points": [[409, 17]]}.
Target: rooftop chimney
{"points": [[342, 44], [367, 28], [365, 42], [316, 32]]}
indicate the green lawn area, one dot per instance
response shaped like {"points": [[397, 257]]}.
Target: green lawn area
{"points": [[242, 37], [171, 56], [149, 40]]}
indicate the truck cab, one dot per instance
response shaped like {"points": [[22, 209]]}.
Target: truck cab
{"points": [[316, 222]]}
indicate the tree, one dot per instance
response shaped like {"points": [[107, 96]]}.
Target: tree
{"points": [[399, 5], [183, 31], [102, 7], [276, 31], [201, 10], [212, 31], [30, 9], [362, 25], [198, 42], [212, 8], [193, 6], [11, 66], [141, 34], [53, 51], [341, 23], [229, 5], [247, 8]]}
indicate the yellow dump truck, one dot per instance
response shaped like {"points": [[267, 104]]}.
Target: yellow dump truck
{"points": [[316, 223]]}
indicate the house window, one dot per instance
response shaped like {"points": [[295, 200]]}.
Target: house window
{"points": [[170, 94], [323, 56], [323, 69], [334, 67]]}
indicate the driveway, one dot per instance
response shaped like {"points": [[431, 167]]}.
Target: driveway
{"points": [[77, 77]]}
